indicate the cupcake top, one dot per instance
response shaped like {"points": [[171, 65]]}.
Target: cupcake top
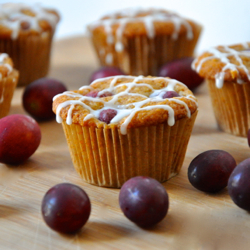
{"points": [[16, 18], [126, 101], [6, 65], [225, 63], [131, 22]]}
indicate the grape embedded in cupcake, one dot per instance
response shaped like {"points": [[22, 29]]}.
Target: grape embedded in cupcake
{"points": [[136, 130]]}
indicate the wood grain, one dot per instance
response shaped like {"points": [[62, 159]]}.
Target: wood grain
{"points": [[195, 220]]}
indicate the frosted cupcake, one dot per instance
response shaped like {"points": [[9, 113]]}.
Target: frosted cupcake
{"points": [[140, 41], [8, 81], [26, 33], [227, 73], [124, 126]]}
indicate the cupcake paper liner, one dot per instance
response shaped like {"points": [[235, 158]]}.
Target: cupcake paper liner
{"points": [[231, 105], [30, 54], [105, 157], [7, 87], [145, 56]]}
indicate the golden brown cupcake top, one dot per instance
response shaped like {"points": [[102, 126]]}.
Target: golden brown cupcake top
{"points": [[225, 63], [16, 18], [126, 101], [6, 65], [149, 22]]}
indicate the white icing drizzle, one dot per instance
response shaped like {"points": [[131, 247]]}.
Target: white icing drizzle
{"points": [[109, 58], [3, 56], [245, 45], [131, 15], [126, 111], [2, 97], [224, 56], [11, 16], [69, 115]]}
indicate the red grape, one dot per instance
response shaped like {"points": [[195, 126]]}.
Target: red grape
{"points": [[106, 72], [181, 70], [105, 94], [170, 94], [144, 201], [20, 136], [66, 208], [93, 93], [107, 115], [210, 170], [239, 185], [37, 97]]}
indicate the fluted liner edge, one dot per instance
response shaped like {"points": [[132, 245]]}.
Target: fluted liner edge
{"points": [[231, 105], [105, 157]]}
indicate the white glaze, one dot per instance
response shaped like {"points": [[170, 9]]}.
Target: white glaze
{"points": [[3, 56], [11, 16], [109, 58], [223, 56], [126, 111], [131, 15], [2, 97]]}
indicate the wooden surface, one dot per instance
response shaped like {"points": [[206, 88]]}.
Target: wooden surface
{"points": [[195, 220]]}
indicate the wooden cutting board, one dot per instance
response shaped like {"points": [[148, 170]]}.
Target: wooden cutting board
{"points": [[195, 220]]}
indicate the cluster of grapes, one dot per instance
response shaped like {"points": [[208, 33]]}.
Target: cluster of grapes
{"points": [[143, 200]]}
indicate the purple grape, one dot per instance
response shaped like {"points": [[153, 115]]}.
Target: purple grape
{"points": [[170, 94], [25, 25], [66, 208], [144, 201], [105, 94], [210, 170], [37, 97], [107, 115], [93, 93], [181, 70], [106, 72], [239, 185]]}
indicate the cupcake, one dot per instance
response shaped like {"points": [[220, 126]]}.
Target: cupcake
{"points": [[140, 41], [124, 126], [26, 33], [226, 70], [8, 81]]}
